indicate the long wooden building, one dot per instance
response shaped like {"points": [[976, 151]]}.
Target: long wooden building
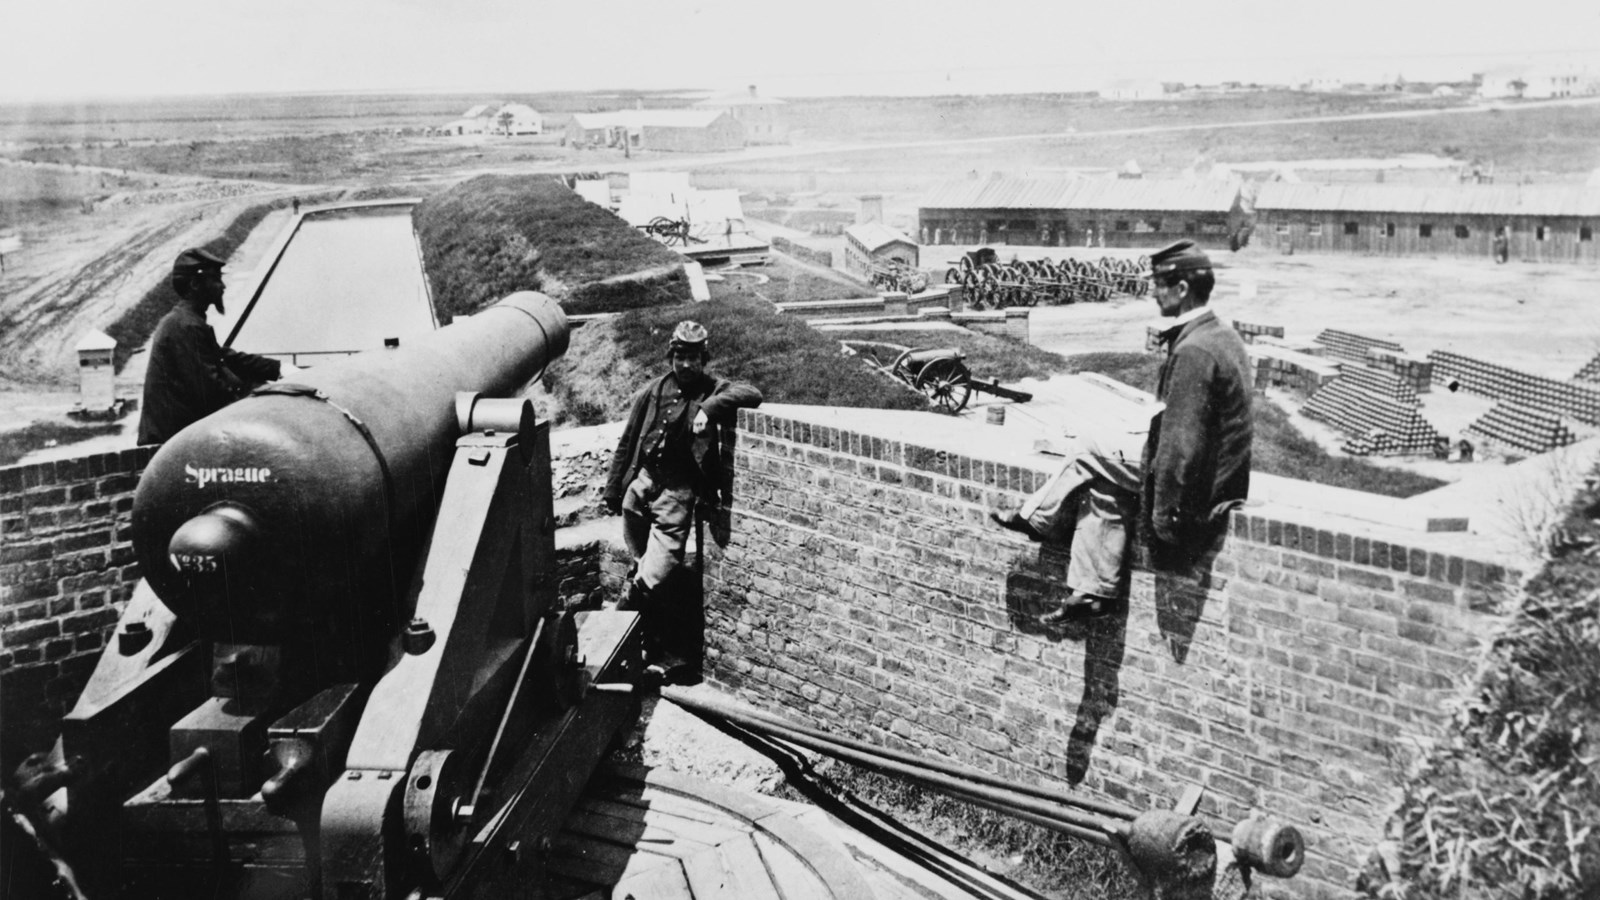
{"points": [[1546, 223], [1077, 212]]}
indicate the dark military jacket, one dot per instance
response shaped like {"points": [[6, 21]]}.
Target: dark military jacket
{"points": [[658, 433], [190, 377], [1197, 458]]}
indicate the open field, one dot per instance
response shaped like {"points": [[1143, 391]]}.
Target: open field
{"points": [[134, 166]]}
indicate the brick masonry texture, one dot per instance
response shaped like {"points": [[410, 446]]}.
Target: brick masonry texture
{"points": [[66, 572], [864, 591]]}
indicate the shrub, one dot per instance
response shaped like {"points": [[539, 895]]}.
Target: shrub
{"points": [[1508, 805]]}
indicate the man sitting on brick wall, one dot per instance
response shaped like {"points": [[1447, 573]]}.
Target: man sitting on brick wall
{"points": [[1194, 465], [668, 461]]}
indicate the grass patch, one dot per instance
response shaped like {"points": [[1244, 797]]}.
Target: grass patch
{"points": [[39, 435], [988, 357], [1044, 860], [608, 361], [498, 234], [787, 282], [1508, 805]]}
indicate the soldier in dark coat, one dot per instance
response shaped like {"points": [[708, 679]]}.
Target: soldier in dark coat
{"points": [[1195, 461], [669, 462], [189, 376]]}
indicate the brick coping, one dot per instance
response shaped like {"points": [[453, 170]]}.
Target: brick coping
{"points": [[963, 450], [21, 476]]}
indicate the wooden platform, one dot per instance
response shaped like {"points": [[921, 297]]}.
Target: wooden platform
{"points": [[651, 834]]}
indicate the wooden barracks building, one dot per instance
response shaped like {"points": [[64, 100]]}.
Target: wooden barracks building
{"points": [[1077, 212], [1548, 223]]}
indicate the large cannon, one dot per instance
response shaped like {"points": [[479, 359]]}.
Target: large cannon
{"points": [[346, 673]]}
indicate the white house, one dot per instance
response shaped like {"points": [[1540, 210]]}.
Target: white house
{"points": [[478, 119], [523, 120], [1133, 89], [1537, 82]]}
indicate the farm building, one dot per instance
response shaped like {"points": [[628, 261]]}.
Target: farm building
{"points": [[1547, 223], [1076, 212], [875, 242], [762, 117], [681, 130], [518, 118], [1540, 82], [1133, 89], [478, 119]]}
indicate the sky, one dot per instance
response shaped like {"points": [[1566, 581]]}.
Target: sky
{"points": [[58, 49]]}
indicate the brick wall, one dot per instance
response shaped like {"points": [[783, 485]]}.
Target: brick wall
{"points": [[66, 571], [799, 251], [863, 590]]}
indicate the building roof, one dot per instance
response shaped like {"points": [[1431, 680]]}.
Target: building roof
{"points": [[649, 118], [1452, 199], [738, 98], [1005, 192], [480, 109], [873, 235], [519, 109], [96, 340]]}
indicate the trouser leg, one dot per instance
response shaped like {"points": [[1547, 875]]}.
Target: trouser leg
{"points": [[1100, 540], [656, 523], [1113, 457], [1106, 476]]}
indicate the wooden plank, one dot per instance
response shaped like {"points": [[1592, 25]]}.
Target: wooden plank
{"points": [[747, 871], [792, 875], [599, 862], [664, 883], [709, 877], [671, 804], [658, 840]]}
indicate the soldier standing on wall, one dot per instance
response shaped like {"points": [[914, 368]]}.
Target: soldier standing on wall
{"points": [[668, 463], [1194, 465]]}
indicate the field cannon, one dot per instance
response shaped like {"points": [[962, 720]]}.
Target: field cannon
{"points": [[940, 373], [894, 275], [346, 673], [988, 283]]}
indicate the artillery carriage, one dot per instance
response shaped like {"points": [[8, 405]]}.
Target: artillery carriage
{"points": [[940, 373], [347, 672], [987, 283]]}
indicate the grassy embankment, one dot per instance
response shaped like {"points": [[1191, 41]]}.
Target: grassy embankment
{"points": [[1508, 805], [498, 234]]}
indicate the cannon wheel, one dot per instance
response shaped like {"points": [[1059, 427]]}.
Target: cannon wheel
{"points": [[947, 383]]}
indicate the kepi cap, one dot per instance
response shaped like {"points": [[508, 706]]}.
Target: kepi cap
{"points": [[688, 335], [1179, 256], [195, 260]]}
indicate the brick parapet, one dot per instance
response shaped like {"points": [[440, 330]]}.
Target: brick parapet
{"points": [[66, 571], [863, 590]]}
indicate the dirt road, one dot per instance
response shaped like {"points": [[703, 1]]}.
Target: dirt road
{"points": [[80, 272]]}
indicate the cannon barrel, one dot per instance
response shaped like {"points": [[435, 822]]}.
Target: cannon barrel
{"points": [[305, 505]]}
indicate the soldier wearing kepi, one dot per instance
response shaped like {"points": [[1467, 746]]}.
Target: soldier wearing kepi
{"points": [[670, 459], [189, 376], [1194, 465]]}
